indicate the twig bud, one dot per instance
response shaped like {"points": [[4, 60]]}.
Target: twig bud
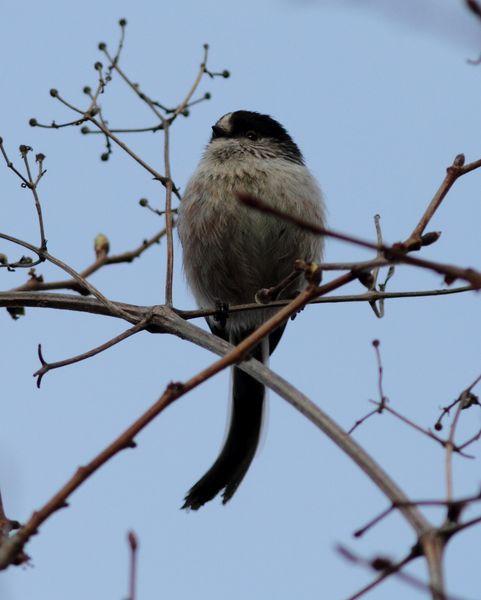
{"points": [[429, 238], [459, 160], [313, 273], [381, 563], [24, 150], [101, 245], [470, 400], [133, 540], [3, 259]]}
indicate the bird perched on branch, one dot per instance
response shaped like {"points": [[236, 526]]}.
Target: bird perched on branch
{"points": [[231, 251]]}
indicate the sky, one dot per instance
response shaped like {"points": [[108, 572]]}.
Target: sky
{"points": [[380, 98]]}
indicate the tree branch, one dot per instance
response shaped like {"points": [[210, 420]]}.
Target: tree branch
{"points": [[169, 322], [36, 283], [46, 366]]}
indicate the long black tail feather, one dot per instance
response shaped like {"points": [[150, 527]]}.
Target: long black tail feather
{"points": [[242, 440]]}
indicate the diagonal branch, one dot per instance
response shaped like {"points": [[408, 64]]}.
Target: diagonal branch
{"points": [[68, 269], [36, 283], [169, 322], [392, 254]]}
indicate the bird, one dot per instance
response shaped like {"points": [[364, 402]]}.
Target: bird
{"points": [[231, 251]]}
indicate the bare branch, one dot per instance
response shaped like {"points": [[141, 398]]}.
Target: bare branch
{"points": [[36, 283], [29, 183], [78, 278], [387, 572], [395, 253], [464, 401], [453, 507], [171, 323], [46, 366], [388, 568], [366, 297]]}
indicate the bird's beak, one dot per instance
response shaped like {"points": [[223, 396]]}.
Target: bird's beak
{"points": [[217, 132]]}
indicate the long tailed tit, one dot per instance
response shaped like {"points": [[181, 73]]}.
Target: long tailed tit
{"points": [[232, 251]]}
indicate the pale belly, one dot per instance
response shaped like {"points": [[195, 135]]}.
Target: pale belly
{"points": [[232, 251]]}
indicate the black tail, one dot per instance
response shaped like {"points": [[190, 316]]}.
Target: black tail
{"points": [[240, 446], [242, 440]]}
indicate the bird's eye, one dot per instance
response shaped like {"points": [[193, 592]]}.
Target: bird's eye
{"points": [[251, 135]]}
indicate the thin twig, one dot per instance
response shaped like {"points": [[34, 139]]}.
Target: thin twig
{"points": [[133, 547], [396, 253], [168, 219], [195, 85], [36, 283], [384, 575], [389, 568], [153, 128], [29, 183], [381, 405], [379, 312], [46, 366], [446, 409], [65, 267], [453, 172], [365, 297], [462, 402], [456, 505], [426, 432], [10, 548]]}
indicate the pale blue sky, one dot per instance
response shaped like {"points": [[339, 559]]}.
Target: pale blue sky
{"points": [[379, 98]]}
